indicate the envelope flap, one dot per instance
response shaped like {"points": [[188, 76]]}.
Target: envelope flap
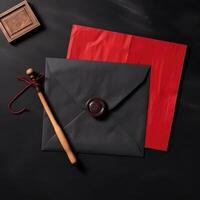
{"points": [[83, 80]]}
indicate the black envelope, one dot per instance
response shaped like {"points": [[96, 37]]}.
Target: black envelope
{"points": [[80, 91]]}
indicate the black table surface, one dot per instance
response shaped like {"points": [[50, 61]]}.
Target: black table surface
{"points": [[28, 173]]}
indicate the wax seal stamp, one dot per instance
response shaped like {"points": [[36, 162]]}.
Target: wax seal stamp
{"points": [[18, 21], [96, 107]]}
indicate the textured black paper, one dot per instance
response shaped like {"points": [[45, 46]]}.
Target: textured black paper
{"points": [[28, 173]]}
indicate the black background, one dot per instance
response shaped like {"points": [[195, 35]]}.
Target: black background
{"points": [[28, 173]]}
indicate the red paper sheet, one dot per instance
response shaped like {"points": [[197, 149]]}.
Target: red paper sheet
{"points": [[166, 60]]}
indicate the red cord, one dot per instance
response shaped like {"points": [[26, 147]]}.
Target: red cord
{"points": [[30, 83]]}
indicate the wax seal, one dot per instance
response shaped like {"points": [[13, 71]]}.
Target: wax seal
{"points": [[96, 107]]}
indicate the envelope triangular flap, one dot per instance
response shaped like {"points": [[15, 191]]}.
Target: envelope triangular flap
{"points": [[85, 79]]}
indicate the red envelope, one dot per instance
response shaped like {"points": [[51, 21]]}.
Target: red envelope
{"points": [[166, 60]]}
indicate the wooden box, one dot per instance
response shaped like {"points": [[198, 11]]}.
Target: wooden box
{"points": [[18, 21]]}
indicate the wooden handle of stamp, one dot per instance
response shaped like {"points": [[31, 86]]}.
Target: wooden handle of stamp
{"points": [[58, 130]]}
